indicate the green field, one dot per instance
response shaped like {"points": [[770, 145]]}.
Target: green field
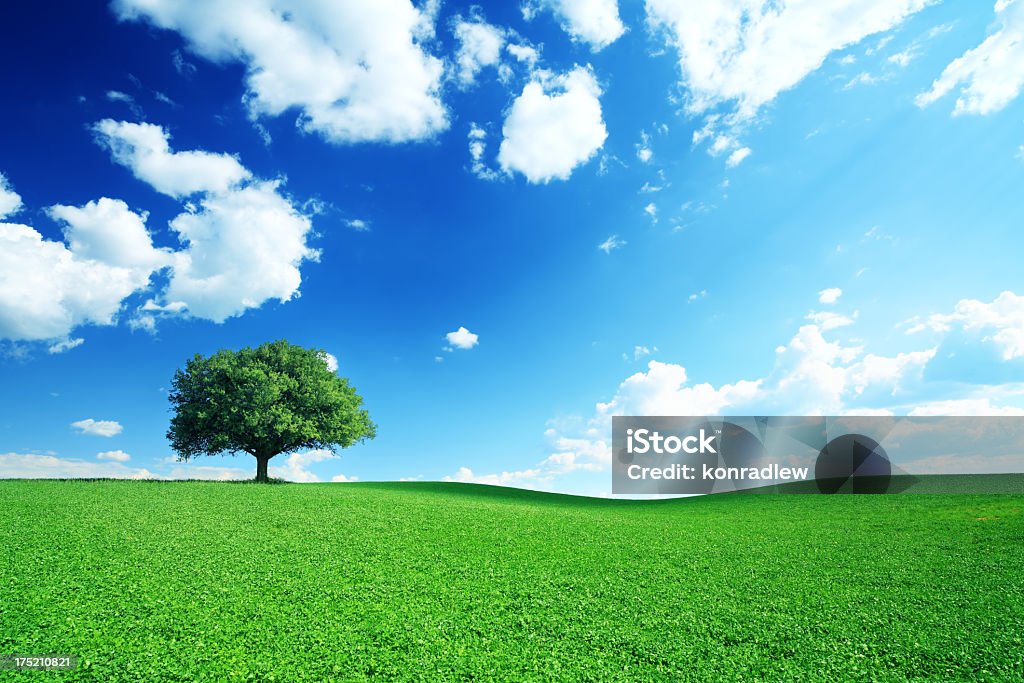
{"points": [[149, 581]]}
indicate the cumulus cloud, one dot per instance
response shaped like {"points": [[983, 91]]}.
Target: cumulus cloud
{"points": [[229, 238], [830, 295], [812, 375], [241, 225], [357, 71], [521, 479], [1001, 321], [553, 126], [47, 288], [664, 389], [526, 54], [480, 45], [595, 22], [330, 360], [339, 478], [145, 149], [35, 466], [98, 427], [295, 466], [10, 201], [746, 52], [477, 137], [991, 75], [208, 472], [117, 456], [107, 231], [235, 225], [462, 339]]}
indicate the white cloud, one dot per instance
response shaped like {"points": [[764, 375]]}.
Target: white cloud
{"points": [[358, 224], [330, 360], [525, 54], [641, 351], [209, 472], [721, 143], [240, 225], [118, 456], [611, 244], [356, 70], [828, 320], [47, 288], [553, 126], [863, 78], [125, 98], [98, 427], [737, 157], [990, 75], [107, 231], [697, 295], [812, 375], [746, 52], [118, 96], [595, 22], [65, 345], [643, 148], [462, 339], [521, 479], [965, 408], [343, 478], [229, 237], [477, 137], [665, 390], [296, 465], [901, 59], [10, 201], [1001, 320], [651, 211], [144, 148], [480, 45], [830, 295], [35, 466]]}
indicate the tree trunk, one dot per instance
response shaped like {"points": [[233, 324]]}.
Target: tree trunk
{"points": [[261, 467]]}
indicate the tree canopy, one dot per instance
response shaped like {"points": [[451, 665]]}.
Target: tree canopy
{"points": [[272, 399]]}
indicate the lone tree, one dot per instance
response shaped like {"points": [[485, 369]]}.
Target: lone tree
{"points": [[276, 398]]}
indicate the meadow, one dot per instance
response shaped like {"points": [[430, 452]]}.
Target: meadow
{"points": [[186, 581]]}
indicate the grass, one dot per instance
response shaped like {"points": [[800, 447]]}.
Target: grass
{"points": [[149, 581]]}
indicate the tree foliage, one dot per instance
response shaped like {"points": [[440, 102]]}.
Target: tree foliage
{"points": [[272, 399]]}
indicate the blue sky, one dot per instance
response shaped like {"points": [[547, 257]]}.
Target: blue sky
{"points": [[739, 207]]}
